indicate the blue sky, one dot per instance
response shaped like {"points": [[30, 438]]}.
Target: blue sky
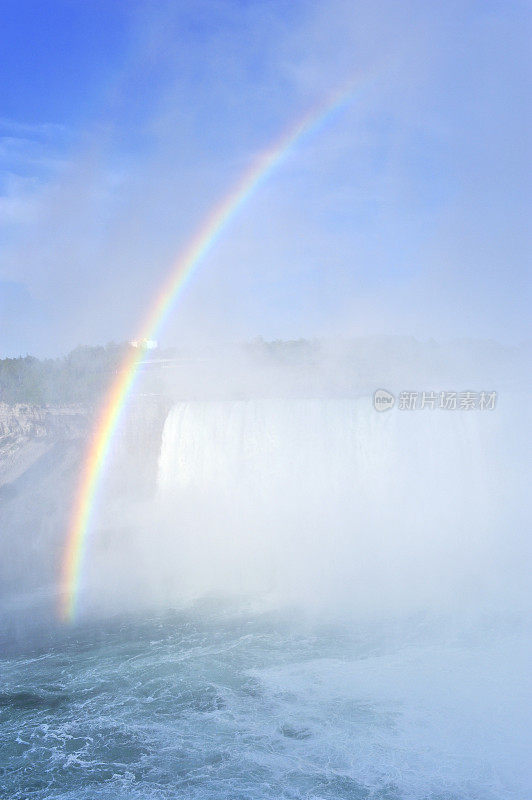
{"points": [[122, 123]]}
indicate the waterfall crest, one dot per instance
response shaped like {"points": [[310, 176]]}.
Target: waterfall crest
{"points": [[324, 499]]}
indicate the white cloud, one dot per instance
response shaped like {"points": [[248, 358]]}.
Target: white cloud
{"points": [[351, 223]]}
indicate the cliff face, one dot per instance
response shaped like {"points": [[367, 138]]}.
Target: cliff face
{"points": [[41, 454], [22, 419], [28, 432]]}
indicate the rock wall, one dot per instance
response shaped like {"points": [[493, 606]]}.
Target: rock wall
{"points": [[41, 454], [27, 432]]}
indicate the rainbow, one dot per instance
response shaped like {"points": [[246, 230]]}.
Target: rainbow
{"points": [[110, 413]]}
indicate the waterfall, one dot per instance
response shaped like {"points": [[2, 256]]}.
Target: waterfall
{"points": [[325, 500]]}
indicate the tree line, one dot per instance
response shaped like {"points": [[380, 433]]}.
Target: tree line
{"points": [[79, 377]]}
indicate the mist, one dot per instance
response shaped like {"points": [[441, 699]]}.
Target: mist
{"points": [[306, 564], [403, 215], [265, 471]]}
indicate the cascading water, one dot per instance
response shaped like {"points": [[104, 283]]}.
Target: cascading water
{"points": [[376, 649], [325, 500]]}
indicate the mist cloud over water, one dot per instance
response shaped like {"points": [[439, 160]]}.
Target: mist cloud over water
{"points": [[312, 591], [264, 484], [284, 589]]}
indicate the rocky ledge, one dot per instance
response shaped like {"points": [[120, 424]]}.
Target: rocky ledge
{"points": [[27, 432]]}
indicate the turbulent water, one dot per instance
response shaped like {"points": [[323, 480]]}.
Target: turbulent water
{"points": [[247, 706], [371, 645]]}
